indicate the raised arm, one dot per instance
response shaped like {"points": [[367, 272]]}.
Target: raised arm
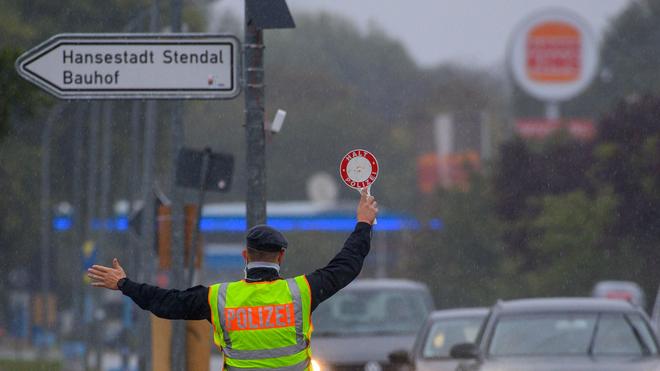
{"points": [[347, 264], [190, 304]]}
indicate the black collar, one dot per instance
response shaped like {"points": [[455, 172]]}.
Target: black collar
{"points": [[262, 274]]}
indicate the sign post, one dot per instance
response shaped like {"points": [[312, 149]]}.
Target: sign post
{"points": [[141, 66], [358, 170], [553, 56]]}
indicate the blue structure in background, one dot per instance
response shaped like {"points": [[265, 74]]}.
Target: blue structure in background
{"points": [[236, 224], [287, 216]]}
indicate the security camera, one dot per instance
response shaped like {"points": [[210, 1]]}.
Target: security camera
{"points": [[278, 121]]}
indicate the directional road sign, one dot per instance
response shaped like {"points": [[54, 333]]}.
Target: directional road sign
{"points": [[121, 66]]}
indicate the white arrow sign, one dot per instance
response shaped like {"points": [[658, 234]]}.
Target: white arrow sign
{"points": [[120, 66]]}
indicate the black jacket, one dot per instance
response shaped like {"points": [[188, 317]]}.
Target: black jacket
{"points": [[192, 304]]}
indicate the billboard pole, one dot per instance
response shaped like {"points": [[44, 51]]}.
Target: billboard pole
{"points": [[552, 111]]}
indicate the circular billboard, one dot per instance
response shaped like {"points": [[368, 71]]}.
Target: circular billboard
{"points": [[553, 55]]}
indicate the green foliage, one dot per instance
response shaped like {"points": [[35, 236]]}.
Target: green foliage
{"points": [[575, 213], [463, 262], [567, 241], [17, 97], [627, 56], [628, 159]]}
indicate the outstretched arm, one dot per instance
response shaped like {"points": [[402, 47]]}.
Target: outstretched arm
{"points": [[347, 264], [190, 304]]}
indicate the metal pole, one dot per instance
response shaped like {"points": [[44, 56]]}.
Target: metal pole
{"points": [[106, 173], [145, 252], [178, 264], [90, 214], [46, 209], [133, 248], [552, 111], [147, 232], [254, 123], [104, 206], [77, 216]]}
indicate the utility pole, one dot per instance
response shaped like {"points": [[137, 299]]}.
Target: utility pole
{"points": [[259, 15], [254, 120]]}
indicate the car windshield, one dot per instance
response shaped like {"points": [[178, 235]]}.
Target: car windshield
{"points": [[447, 332], [372, 312], [572, 334]]}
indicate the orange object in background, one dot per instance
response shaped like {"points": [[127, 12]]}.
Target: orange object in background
{"points": [[198, 345], [553, 53], [38, 310], [450, 171], [161, 343], [198, 333], [427, 172]]}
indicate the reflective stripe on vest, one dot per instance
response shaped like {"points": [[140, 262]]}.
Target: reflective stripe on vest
{"points": [[299, 366], [228, 320]]}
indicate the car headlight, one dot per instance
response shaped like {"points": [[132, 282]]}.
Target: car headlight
{"points": [[316, 366], [373, 366]]}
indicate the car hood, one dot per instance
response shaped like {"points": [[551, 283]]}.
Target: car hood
{"points": [[571, 364], [357, 348]]}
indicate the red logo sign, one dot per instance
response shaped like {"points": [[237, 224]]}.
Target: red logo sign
{"points": [[358, 168], [554, 53]]}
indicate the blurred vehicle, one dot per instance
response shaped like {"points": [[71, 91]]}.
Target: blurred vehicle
{"points": [[562, 334], [442, 330], [655, 313], [358, 327], [622, 290]]}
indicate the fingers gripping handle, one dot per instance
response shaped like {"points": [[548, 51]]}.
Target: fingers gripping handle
{"points": [[369, 194]]}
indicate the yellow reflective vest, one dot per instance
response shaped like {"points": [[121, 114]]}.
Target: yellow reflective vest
{"points": [[263, 325]]}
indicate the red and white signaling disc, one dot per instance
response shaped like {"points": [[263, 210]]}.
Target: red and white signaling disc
{"points": [[358, 169]]}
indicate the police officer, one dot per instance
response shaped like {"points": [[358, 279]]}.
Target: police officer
{"points": [[263, 321]]}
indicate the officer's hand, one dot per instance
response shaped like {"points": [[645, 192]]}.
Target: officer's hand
{"points": [[367, 208], [105, 276]]}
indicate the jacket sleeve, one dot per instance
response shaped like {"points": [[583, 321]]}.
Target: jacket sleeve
{"points": [[343, 268], [189, 304]]}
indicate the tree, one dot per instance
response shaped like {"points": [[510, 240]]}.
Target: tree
{"points": [[17, 98], [463, 262], [627, 60], [526, 170], [568, 241], [575, 213], [627, 159]]}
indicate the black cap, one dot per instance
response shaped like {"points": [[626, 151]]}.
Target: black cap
{"points": [[265, 238]]}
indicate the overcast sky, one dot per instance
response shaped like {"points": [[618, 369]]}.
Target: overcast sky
{"points": [[473, 32]]}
